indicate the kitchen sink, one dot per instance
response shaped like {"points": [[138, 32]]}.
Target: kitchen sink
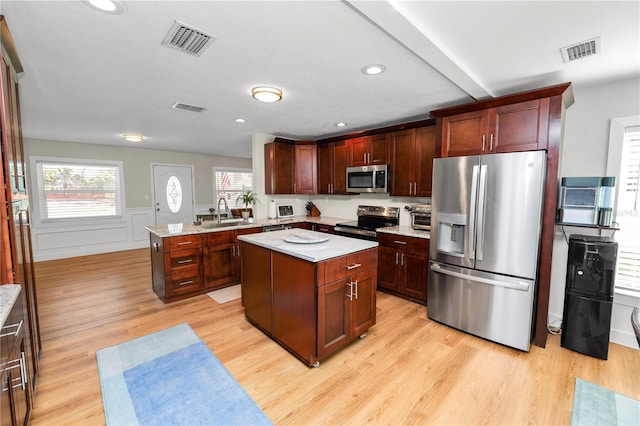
{"points": [[223, 223]]}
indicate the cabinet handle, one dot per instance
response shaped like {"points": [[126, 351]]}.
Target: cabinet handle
{"points": [[185, 242], [186, 282], [354, 266], [185, 261], [350, 295], [12, 333], [491, 143], [294, 188], [484, 140], [364, 157], [329, 188], [401, 259], [410, 186], [17, 363], [23, 371], [356, 284], [400, 242], [397, 253]]}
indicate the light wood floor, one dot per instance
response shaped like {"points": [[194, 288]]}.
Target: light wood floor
{"points": [[408, 370]]}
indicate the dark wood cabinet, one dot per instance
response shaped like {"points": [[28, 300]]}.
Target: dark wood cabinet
{"points": [[279, 168], [404, 263], [176, 266], [368, 150], [522, 126], [305, 169], [320, 227], [222, 258], [326, 306], [412, 154], [332, 168]]}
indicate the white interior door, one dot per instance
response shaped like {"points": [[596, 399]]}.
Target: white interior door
{"points": [[173, 194]]}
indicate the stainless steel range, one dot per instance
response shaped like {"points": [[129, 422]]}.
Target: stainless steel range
{"points": [[370, 218]]}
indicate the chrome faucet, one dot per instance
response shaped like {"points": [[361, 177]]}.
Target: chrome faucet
{"points": [[226, 208]]}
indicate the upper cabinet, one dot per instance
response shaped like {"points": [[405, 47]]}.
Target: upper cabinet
{"points": [[521, 126], [290, 168], [412, 154], [332, 168], [369, 150]]}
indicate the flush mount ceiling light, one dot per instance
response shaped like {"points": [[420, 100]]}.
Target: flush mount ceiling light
{"points": [[266, 94], [341, 124], [374, 69], [108, 6], [239, 120], [132, 137]]}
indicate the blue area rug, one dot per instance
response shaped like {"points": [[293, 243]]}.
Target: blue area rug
{"points": [[595, 405], [171, 378]]}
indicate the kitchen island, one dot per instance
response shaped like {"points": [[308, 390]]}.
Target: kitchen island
{"points": [[311, 292]]}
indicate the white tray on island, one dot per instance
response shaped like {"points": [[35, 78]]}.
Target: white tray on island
{"points": [[305, 239]]}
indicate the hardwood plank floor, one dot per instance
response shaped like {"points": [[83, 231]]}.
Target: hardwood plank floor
{"points": [[408, 370]]}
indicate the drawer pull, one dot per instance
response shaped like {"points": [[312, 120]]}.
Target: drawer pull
{"points": [[12, 333], [400, 242], [354, 266], [185, 261], [17, 363], [185, 242], [350, 295], [186, 283]]}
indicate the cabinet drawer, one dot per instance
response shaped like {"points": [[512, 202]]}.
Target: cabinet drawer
{"points": [[362, 261], [184, 242], [183, 282], [184, 258], [222, 237], [420, 245], [333, 269]]}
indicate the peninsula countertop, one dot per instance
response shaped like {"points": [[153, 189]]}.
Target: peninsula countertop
{"points": [[9, 293], [330, 246]]}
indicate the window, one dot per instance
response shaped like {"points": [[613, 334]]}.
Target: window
{"points": [[71, 189], [628, 213], [230, 183]]}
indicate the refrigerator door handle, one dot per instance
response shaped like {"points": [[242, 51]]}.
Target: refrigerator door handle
{"points": [[441, 269], [482, 206], [472, 212]]}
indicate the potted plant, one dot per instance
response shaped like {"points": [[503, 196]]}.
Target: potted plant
{"points": [[247, 197]]}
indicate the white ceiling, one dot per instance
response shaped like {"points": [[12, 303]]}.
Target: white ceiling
{"points": [[91, 76]]}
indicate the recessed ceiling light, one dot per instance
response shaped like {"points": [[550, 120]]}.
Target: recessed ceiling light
{"points": [[108, 6], [132, 137], [266, 94], [239, 120], [341, 124], [374, 69]]}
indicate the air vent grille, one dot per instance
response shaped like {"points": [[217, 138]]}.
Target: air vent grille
{"points": [[187, 39], [187, 107], [581, 50]]}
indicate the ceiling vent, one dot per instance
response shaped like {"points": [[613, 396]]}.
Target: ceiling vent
{"points": [[581, 50], [187, 39], [187, 107]]}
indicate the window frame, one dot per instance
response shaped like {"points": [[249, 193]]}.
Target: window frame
{"points": [[75, 221], [232, 170], [617, 131]]}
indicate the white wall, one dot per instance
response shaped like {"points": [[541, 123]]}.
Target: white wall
{"points": [[586, 145]]}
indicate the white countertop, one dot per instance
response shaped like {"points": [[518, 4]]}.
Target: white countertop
{"points": [[8, 295], [334, 246], [406, 231]]}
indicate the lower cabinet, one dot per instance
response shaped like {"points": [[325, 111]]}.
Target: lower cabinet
{"points": [[404, 266], [328, 304], [15, 371], [176, 266], [320, 227]]}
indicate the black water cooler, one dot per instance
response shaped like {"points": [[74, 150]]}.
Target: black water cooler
{"points": [[588, 297]]}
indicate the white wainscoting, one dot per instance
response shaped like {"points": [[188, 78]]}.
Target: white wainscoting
{"points": [[70, 241]]}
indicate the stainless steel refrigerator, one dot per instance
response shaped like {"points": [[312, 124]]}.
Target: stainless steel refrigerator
{"points": [[485, 244]]}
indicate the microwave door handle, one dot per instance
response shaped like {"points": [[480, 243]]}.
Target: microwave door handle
{"points": [[472, 211], [482, 206]]}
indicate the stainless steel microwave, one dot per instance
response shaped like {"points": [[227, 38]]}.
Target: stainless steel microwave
{"points": [[368, 178]]}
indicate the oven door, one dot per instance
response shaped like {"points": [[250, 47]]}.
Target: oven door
{"points": [[421, 221]]}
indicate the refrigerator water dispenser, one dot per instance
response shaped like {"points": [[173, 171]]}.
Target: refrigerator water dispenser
{"points": [[451, 230]]}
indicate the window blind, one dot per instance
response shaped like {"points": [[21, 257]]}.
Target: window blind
{"points": [[230, 184], [73, 190]]}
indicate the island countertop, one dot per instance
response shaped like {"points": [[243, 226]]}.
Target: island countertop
{"points": [[330, 247], [9, 293]]}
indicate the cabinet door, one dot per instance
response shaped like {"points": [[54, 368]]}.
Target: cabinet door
{"points": [[219, 265], [325, 167], [18, 394], [425, 151], [363, 302], [463, 134], [305, 169], [256, 286], [388, 268], [340, 158], [6, 414], [358, 151], [402, 163], [278, 168], [379, 149], [415, 270], [238, 253], [334, 317], [521, 127]]}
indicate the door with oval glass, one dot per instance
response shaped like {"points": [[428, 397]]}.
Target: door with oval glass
{"points": [[173, 194]]}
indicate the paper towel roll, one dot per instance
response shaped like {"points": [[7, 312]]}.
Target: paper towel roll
{"points": [[273, 211]]}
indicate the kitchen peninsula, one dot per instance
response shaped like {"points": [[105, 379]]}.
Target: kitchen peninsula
{"points": [[311, 292]]}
